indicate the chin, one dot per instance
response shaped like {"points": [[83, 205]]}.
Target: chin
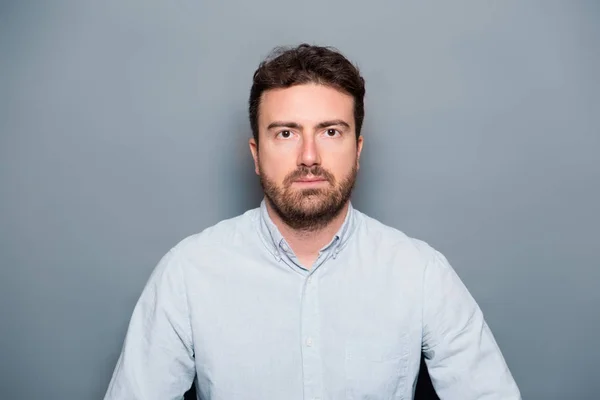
{"points": [[313, 200], [313, 205]]}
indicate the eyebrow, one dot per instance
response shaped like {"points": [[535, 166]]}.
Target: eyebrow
{"points": [[320, 125], [283, 124], [333, 122]]}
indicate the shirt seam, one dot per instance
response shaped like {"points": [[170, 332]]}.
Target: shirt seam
{"points": [[257, 227], [431, 346], [181, 259]]}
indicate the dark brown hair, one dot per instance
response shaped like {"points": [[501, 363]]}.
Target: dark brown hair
{"points": [[286, 67]]}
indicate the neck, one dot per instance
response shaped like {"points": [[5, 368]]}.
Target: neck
{"points": [[307, 244]]}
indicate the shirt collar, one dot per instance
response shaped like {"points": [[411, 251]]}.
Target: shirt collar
{"points": [[276, 243]]}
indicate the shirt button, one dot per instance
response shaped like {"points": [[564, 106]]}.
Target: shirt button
{"points": [[309, 342], [309, 280]]}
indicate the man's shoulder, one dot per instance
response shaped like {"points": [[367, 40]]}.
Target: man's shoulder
{"points": [[391, 239], [227, 232]]}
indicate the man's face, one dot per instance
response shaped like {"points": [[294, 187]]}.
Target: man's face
{"points": [[307, 156]]}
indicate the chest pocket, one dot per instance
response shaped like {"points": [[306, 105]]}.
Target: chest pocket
{"points": [[376, 369]]}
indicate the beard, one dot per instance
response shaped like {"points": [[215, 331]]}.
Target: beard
{"points": [[313, 208]]}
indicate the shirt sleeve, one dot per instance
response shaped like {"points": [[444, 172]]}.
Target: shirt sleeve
{"points": [[462, 357], [157, 357]]}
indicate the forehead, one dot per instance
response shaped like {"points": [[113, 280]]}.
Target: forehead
{"points": [[309, 103]]}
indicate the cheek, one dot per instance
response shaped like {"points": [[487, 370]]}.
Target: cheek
{"points": [[340, 160], [276, 166]]}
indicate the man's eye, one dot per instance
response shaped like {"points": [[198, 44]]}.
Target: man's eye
{"points": [[285, 134], [332, 132]]}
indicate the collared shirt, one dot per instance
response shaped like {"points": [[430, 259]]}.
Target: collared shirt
{"points": [[232, 310]]}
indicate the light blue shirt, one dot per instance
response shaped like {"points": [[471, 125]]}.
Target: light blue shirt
{"points": [[233, 308]]}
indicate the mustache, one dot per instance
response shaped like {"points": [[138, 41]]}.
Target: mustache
{"points": [[316, 171]]}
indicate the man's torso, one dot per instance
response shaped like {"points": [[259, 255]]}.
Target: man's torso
{"points": [[264, 327]]}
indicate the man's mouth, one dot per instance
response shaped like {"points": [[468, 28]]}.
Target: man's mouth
{"points": [[309, 178]]}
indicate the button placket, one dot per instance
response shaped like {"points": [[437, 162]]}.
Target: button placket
{"points": [[311, 355]]}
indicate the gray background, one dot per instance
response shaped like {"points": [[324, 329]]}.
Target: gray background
{"points": [[123, 129]]}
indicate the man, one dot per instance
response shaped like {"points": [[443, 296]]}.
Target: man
{"points": [[305, 297]]}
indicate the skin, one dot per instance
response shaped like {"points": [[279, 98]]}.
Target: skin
{"points": [[307, 157]]}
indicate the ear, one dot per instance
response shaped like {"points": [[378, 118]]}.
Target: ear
{"points": [[254, 150], [359, 146]]}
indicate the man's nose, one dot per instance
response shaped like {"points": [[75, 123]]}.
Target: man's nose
{"points": [[309, 152]]}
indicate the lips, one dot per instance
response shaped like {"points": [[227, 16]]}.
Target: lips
{"points": [[311, 179]]}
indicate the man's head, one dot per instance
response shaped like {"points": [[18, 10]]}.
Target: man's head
{"points": [[306, 112]]}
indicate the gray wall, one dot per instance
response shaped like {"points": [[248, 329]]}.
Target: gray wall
{"points": [[123, 129]]}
